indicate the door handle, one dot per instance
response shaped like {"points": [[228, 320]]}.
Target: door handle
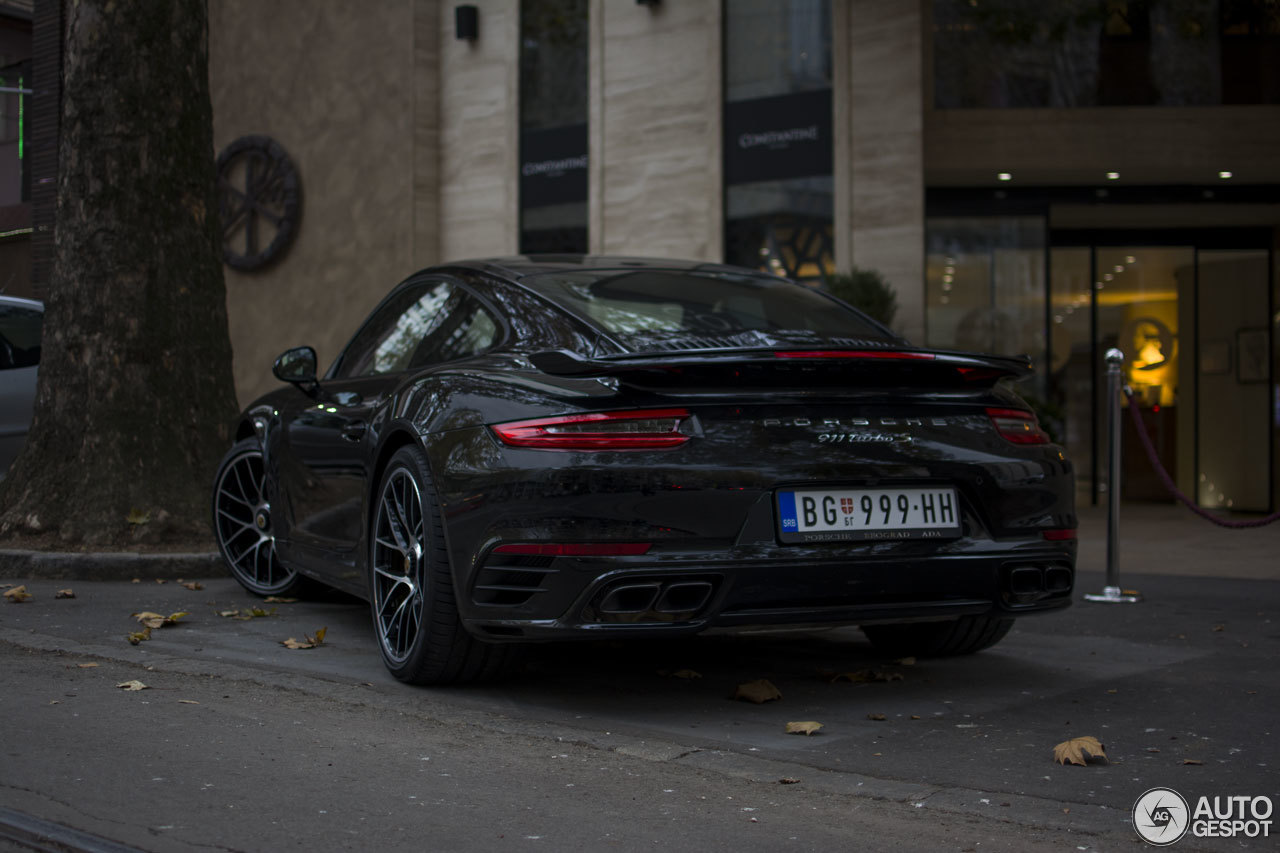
{"points": [[353, 430]]}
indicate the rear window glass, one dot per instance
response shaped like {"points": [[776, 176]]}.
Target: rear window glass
{"points": [[19, 336], [647, 309]]}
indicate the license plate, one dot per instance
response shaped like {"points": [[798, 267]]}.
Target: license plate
{"points": [[824, 515]]}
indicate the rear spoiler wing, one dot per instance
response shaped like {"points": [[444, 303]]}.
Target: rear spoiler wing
{"points": [[968, 365]]}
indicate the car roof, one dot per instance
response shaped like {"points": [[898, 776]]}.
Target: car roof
{"points": [[516, 267], [21, 302]]}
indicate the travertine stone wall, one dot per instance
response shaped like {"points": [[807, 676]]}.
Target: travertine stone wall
{"points": [[336, 84], [655, 122], [479, 133], [879, 168]]}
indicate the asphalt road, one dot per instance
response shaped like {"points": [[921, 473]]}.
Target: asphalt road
{"points": [[242, 744]]}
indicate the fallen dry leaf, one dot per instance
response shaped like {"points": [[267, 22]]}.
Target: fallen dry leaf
{"points": [[64, 593], [759, 691], [275, 599], [905, 661], [155, 620], [788, 780], [1113, 690], [188, 702], [86, 665], [161, 580], [915, 716], [807, 727], [137, 516], [132, 685], [686, 674], [1219, 627], [877, 717], [1194, 761], [1078, 750], [17, 595], [136, 580], [193, 585], [138, 636], [307, 641]]}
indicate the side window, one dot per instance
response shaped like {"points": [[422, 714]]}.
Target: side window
{"points": [[424, 324], [19, 336]]}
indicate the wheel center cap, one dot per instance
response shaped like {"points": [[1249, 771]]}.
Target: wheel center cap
{"points": [[261, 520], [407, 564]]}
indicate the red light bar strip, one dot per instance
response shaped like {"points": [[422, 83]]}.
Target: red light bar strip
{"points": [[541, 432], [582, 549], [849, 353], [1059, 535]]}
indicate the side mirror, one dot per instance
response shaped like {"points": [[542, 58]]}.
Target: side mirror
{"points": [[296, 366]]}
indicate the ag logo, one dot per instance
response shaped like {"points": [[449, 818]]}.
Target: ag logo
{"points": [[1161, 816]]}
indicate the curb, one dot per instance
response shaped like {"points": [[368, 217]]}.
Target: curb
{"points": [[107, 566]]}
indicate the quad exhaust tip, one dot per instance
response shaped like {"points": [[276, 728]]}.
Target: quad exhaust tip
{"points": [[655, 597]]}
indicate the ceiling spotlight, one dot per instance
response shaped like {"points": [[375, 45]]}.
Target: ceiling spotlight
{"points": [[1224, 175], [1118, 268], [1113, 176], [1130, 259], [1005, 176]]}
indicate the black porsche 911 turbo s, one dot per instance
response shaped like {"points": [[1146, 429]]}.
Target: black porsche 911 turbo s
{"points": [[554, 447]]}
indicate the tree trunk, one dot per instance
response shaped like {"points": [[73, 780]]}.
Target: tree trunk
{"points": [[135, 394]]}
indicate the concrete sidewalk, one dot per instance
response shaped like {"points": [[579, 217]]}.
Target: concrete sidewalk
{"points": [[1169, 539]]}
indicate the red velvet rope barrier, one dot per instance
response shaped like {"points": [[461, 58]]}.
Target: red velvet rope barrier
{"points": [[1173, 488]]}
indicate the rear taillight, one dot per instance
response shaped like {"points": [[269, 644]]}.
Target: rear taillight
{"points": [[1018, 426], [635, 430], [1060, 535]]}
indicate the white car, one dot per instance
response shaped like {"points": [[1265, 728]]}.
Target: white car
{"points": [[20, 322]]}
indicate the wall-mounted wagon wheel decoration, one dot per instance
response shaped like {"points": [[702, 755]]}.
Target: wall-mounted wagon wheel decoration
{"points": [[260, 200]]}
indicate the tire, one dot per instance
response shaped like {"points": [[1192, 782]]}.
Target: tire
{"points": [[415, 612], [242, 523], [962, 636]]}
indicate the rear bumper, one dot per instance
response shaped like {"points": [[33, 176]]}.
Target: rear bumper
{"points": [[682, 594]]}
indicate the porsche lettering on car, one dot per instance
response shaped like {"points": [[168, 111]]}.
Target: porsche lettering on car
{"points": [[559, 447]]}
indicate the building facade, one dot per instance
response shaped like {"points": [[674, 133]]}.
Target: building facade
{"points": [[1051, 178]]}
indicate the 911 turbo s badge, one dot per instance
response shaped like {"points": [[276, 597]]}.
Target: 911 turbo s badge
{"points": [[861, 438]]}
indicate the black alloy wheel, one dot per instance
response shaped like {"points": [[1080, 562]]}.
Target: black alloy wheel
{"points": [[242, 523], [411, 592]]}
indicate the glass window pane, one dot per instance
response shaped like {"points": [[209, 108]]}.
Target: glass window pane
{"points": [[779, 201], [985, 287], [1234, 381], [554, 52], [1083, 53], [1070, 387]]}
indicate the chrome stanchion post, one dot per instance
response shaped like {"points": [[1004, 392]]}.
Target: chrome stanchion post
{"points": [[1112, 592]]}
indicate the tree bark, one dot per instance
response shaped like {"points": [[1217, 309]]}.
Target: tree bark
{"points": [[135, 393]]}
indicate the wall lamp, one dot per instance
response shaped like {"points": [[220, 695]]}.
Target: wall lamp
{"points": [[466, 22]]}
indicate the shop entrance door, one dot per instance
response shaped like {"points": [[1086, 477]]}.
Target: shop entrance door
{"points": [[1193, 323]]}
